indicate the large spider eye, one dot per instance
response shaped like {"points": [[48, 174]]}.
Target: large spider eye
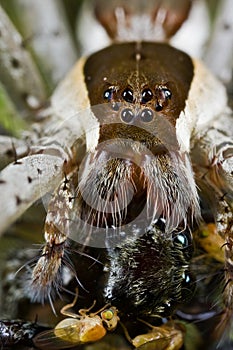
{"points": [[128, 95], [147, 115], [147, 95], [127, 115], [108, 94], [163, 94]]}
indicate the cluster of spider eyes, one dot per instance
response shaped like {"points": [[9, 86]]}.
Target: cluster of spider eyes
{"points": [[161, 95]]}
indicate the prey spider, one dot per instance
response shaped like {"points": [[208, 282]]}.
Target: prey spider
{"points": [[132, 157]]}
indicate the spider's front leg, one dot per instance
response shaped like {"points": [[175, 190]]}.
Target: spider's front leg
{"points": [[214, 169], [220, 154], [46, 275]]}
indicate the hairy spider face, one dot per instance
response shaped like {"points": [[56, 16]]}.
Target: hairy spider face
{"points": [[137, 168], [139, 81]]}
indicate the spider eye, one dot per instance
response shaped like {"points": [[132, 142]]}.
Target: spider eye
{"points": [[147, 115], [128, 95], [115, 106], [167, 93], [147, 95], [167, 308], [163, 94], [186, 278], [127, 115], [182, 239], [108, 94], [158, 107], [161, 224]]}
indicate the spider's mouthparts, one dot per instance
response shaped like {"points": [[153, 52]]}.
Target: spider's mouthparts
{"points": [[114, 188]]}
